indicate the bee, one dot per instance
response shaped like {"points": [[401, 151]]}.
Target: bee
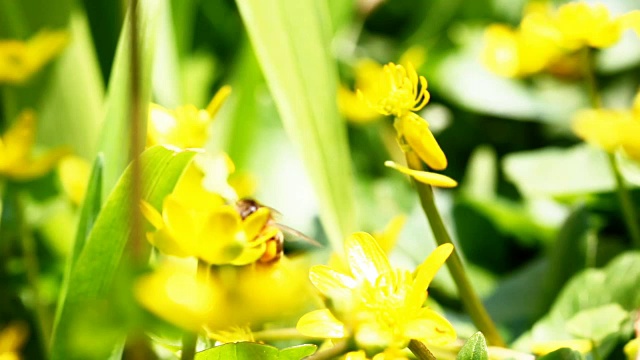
{"points": [[275, 245]]}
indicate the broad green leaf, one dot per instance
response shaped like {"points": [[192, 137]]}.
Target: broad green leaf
{"points": [[617, 283], [474, 349], [563, 354], [597, 323], [297, 352], [96, 267], [88, 214], [73, 98], [250, 351], [115, 141], [556, 172], [239, 351], [302, 78]]}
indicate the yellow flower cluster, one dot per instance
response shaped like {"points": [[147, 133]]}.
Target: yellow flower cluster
{"points": [[547, 38], [379, 306], [401, 92], [611, 130], [19, 60]]}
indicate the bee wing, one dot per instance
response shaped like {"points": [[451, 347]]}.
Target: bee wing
{"points": [[298, 235]]}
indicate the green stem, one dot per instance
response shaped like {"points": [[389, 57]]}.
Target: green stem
{"points": [[189, 339], [338, 349], [32, 270], [420, 350], [628, 210], [470, 299]]}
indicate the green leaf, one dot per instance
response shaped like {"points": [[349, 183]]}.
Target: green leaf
{"points": [[302, 78], [250, 351], [88, 214], [597, 323], [617, 283], [73, 98], [115, 142], [297, 352], [563, 354], [96, 267], [239, 351], [474, 349], [560, 172]]}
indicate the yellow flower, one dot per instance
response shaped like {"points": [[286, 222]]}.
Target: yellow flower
{"points": [[223, 300], [186, 126], [16, 145], [380, 306], [546, 38], [74, 173], [581, 24], [217, 236], [174, 293], [367, 75], [425, 177], [12, 338], [19, 60], [399, 91], [611, 129]]}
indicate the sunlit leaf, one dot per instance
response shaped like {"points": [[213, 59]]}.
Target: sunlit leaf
{"points": [[597, 323], [96, 267], [303, 81], [115, 142]]}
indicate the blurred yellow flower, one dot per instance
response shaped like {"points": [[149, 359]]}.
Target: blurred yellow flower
{"points": [[74, 173], [378, 305], [611, 129], [425, 177], [186, 126], [581, 24], [547, 37], [174, 293], [224, 301], [19, 60], [16, 145], [12, 338]]}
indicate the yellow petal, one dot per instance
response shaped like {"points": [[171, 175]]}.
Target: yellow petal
{"points": [[167, 244], [250, 255], [428, 269], [331, 283], [191, 192], [425, 177], [355, 355], [255, 222], [180, 220], [415, 131], [365, 257], [321, 323], [430, 328], [218, 100], [631, 20], [151, 214], [223, 238], [388, 237]]}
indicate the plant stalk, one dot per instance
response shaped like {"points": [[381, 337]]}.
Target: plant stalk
{"points": [[338, 349], [190, 339], [420, 350], [628, 211], [470, 299]]}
